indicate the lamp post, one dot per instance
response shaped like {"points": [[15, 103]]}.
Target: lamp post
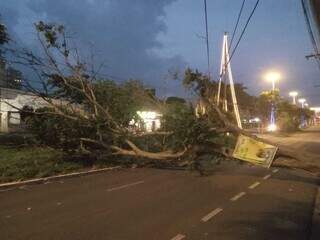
{"points": [[294, 95], [273, 77], [302, 101]]}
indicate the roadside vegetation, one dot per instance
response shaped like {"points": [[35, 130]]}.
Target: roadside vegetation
{"points": [[22, 159]]}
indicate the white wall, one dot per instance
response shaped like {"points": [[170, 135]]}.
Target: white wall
{"points": [[18, 99]]}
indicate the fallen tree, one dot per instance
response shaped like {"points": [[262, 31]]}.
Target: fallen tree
{"points": [[87, 114]]}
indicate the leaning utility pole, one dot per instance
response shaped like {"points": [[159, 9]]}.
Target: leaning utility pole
{"points": [[225, 68]]}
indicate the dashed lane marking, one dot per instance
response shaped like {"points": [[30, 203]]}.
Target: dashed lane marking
{"points": [[267, 176], [275, 170], [124, 186], [178, 237], [211, 214], [254, 185], [236, 197]]}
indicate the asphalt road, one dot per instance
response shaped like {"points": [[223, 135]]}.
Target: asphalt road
{"points": [[237, 201]]}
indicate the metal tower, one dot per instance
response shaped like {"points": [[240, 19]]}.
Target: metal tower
{"points": [[225, 72]]}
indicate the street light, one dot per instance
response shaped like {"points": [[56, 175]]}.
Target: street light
{"points": [[302, 101], [273, 77], [293, 94]]}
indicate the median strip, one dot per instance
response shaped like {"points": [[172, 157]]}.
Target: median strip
{"points": [[236, 197], [211, 214]]}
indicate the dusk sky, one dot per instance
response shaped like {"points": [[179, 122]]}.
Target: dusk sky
{"points": [[145, 38]]}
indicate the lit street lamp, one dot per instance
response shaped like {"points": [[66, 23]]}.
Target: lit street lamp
{"points": [[293, 94], [273, 77], [302, 101]]}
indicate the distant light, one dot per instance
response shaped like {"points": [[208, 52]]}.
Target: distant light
{"points": [[151, 121], [293, 94], [254, 120], [315, 109], [257, 119], [306, 105], [272, 128], [302, 100], [147, 115], [273, 76]]}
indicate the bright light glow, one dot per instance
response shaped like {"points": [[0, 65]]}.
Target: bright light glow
{"points": [[272, 128], [302, 100], [293, 94], [151, 120], [257, 119], [273, 76], [306, 105], [147, 115], [254, 120], [315, 109]]}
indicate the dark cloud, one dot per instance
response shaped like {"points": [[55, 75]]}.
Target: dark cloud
{"points": [[123, 33]]}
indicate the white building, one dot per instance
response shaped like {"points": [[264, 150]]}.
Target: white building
{"points": [[11, 100]]}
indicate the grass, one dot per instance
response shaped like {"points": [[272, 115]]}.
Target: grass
{"points": [[33, 162]]}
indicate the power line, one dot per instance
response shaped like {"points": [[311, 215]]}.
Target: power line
{"points": [[207, 36], [242, 33], [237, 23], [244, 29]]}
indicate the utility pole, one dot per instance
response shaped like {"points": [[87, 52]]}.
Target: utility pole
{"points": [[207, 37], [225, 71]]}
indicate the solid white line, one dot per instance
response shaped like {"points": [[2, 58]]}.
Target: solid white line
{"points": [[275, 170], [211, 214], [57, 177], [267, 176], [124, 186], [236, 197], [178, 237], [254, 185]]}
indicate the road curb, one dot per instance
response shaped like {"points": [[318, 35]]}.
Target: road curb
{"points": [[315, 230], [52, 178]]}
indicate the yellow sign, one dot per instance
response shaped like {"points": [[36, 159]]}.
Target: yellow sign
{"points": [[253, 151]]}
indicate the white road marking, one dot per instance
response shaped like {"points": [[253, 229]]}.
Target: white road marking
{"points": [[124, 186], [236, 197], [29, 208], [211, 214], [254, 185], [275, 170], [267, 176], [178, 237]]}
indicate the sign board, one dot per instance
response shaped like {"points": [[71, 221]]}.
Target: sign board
{"points": [[254, 151]]}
